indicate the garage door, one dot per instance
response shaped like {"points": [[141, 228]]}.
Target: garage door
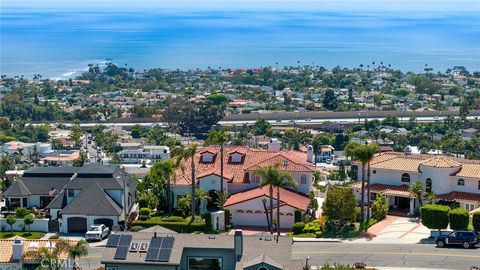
{"points": [[247, 218], [105, 221], [77, 225]]}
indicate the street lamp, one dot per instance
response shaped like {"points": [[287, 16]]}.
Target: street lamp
{"points": [[306, 262]]}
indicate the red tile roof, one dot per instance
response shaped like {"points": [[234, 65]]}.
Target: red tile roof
{"points": [[461, 196], [287, 197], [236, 172], [390, 190]]}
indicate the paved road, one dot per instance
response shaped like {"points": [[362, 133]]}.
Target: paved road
{"points": [[390, 255], [92, 260]]}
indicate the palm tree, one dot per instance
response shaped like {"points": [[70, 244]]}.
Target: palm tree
{"points": [[185, 154], [271, 177], [166, 170], [285, 180], [219, 137], [222, 197], [80, 249], [202, 196], [364, 154], [417, 188], [52, 255]]}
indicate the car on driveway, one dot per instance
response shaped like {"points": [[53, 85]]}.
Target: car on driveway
{"points": [[466, 239], [97, 232]]}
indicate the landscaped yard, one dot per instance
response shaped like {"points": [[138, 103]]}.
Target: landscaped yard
{"points": [[26, 235]]}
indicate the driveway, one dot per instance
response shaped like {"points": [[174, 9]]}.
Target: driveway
{"points": [[396, 230]]}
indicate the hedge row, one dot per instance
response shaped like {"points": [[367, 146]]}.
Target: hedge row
{"points": [[181, 227], [435, 216], [476, 221]]}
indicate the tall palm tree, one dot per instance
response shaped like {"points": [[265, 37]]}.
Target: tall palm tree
{"points": [[418, 189], [166, 169], [364, 154], [183, 154], [285, 180], [271, 177], [80, 249], [219, 137]]}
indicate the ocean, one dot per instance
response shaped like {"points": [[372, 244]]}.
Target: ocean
{"points": [[61, 44]]}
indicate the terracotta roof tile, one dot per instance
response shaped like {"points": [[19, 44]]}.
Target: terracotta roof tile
{"points": [[461, 196], [389, 190], [287, 197], [235, 172], [441, 162], [6, 246]]}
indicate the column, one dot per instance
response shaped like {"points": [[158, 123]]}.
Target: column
{"points": [[412, 206]]}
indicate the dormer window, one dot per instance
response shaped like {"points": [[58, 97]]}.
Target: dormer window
{"points": [[285, 162], [207, 157], [236, 158], [461, 182]]}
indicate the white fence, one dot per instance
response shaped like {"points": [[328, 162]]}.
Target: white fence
{"points": [[38, 225]]}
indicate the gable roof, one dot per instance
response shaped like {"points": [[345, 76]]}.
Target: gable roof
{"points": [[235, 171], [441, 162], [287, 197], [263, 259], [93, 201], [17, 189]]}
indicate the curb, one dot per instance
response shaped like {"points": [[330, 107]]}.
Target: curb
{"points": [[316, 240]]}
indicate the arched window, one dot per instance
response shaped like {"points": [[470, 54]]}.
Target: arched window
{"points": [[303, 179], [428, 185], [461, 182], [262, 268], [406, 178]]}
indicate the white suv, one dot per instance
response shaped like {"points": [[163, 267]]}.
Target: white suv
{"points": [[97, 232]]}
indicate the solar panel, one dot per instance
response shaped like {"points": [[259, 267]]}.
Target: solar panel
{"points": [[125, 240], [156, 242], [113, 240], [143, 247], [152, 254], [121, 253], [164, 254], [168, 242]]}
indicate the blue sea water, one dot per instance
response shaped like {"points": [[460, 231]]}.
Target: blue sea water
{"points": [[62, 44]]}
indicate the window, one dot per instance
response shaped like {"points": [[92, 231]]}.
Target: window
{"points": [[478, 184], [262, 268], [406, 177], [461, 182], [71, 193], [199, 263], [428, 185], [374, 171], [303, 179], [256, 179]]}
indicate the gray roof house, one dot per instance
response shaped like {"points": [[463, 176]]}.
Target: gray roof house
{"points": [[76, 197], [198, 251]]}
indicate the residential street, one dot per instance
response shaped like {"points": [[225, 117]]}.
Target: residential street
{"points": [[391, 255]]}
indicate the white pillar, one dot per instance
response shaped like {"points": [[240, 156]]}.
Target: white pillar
{"points": [[412, 206]]}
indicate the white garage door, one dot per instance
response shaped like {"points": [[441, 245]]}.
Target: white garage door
{"points": [[249, 219]]}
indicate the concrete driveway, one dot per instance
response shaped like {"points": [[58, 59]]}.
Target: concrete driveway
{"points": [[396, 230]]}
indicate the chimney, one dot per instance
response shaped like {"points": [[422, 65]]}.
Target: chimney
{"points": [[238, 244], [17, 247], [274, 145], [310, 155]]}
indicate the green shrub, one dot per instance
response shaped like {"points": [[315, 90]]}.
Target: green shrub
{"points": [[380, 207], [143, 201], [173, 219], [55, 236], [21, 212], [318, 234], [298, 215], [476, 221], [435, 216], [141, 217], [145, 211], [298, 227], [459, 219], [228, 218], [313, 226], [181, 227]]}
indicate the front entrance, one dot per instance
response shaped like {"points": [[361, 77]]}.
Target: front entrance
{"points": [[402, 204], [212, 204], [53, 226]]}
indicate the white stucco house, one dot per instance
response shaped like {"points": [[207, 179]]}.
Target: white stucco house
{"points": [[448, 178]]}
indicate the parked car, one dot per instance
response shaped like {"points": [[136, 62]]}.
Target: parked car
{"points": [[466, 239], [97, 232], [278, 120]]}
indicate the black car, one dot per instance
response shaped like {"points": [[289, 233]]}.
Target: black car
{"points": [[465, 239]]}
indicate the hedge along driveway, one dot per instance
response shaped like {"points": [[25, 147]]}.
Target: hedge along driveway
{"points": [[180, 227]]}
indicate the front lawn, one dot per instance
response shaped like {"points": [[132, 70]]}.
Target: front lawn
{"points": [[26, 235]]}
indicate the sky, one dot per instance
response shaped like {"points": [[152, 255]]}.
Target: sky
{"points": [[428, 6]]}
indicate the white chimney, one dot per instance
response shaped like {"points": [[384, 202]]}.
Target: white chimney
{"points": [[17, 249], [310, 154], [274, 145], [238, 244]]}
